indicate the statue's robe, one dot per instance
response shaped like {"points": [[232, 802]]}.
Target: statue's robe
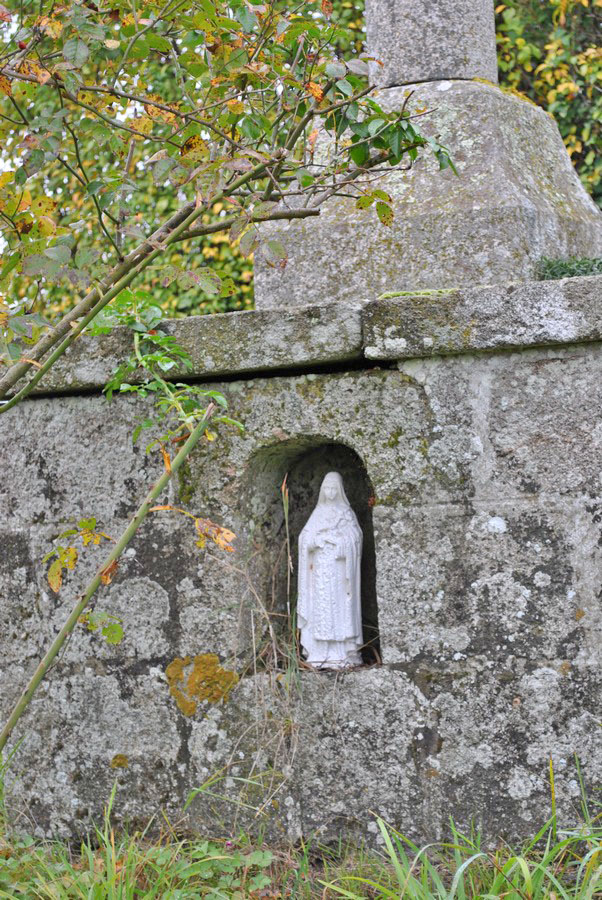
{"points": [[329, 585]]}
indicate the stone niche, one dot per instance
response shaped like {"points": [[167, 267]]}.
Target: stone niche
{"points": [[304, 463]]}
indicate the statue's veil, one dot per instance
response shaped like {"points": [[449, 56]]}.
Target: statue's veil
{"points": [[334, 476]]}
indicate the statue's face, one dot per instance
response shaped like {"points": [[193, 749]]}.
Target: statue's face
{"points": [[331, 490]]}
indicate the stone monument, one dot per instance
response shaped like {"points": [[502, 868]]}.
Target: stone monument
{"points": [[517, 197], [329, 613]]}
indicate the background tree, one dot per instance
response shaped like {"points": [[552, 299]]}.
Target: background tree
{"points": [[551, 52]]}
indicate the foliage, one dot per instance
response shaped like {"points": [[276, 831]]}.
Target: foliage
{"points": [[552, 269], [569, 867], [118, 867], [110, 866], [114, 118], [550, 52]]}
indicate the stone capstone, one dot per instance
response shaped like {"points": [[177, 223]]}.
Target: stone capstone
{"points": [[516, 199], [430, 40]]}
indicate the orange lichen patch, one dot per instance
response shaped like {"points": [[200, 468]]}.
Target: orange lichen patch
{"points": [[207, 681]]}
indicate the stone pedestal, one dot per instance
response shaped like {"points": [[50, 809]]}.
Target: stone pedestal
{"points": [[517, 198]]}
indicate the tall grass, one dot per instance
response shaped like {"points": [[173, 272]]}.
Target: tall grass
{"points": [[554, 864]]}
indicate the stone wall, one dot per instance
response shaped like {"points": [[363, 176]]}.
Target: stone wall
{"points": [[467, 426]]}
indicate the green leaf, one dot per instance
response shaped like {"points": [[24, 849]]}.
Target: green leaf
{"points": [[358, 66], [382, 195], [275, 252], [157, 42], [87, 524], [249, 241], [37, 265], [365, 201], [247, 18], [344, 87], [336, 69], [375, 125], [85, 256], [9, 265], [208, 281], [76, 52], [384, 213], [59, 253], [113, 633], [359, 155]]}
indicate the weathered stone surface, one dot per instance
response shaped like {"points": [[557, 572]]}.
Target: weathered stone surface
{"points": [[504, 317], [517, 198], [487, 499], [430, 40], [233, 342]]}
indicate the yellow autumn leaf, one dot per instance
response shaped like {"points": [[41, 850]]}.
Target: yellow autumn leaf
{"points": [[5, 86], [49, 26], [166, 459], [106, 576], [194, 147], [142, 124], [42, 206], [55, 576], [315, 90], [6, 178], [46, 226], [70, 557], [236, 107]]}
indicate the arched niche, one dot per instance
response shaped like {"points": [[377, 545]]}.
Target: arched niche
{"points": [[304, 463]]}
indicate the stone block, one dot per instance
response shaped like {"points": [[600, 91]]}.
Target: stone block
{"points": [[218, 345], [484, 504], [493, 318]]}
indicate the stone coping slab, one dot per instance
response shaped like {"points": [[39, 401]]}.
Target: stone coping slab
{"points": [[390, 328], [500, 317], [229, 343]]}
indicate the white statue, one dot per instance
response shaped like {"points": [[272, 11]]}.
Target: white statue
{"points": [[329, 612]]}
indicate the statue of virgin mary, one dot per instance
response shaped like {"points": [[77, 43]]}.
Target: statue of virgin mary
{"points": [[329, 612]]}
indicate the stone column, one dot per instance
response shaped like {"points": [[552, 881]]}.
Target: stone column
{"points": [[431, 40]]}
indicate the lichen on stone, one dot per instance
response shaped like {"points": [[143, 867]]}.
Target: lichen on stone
{"points": [[206, 681], [120, 761]]}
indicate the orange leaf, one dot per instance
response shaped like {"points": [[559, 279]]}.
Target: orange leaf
{"points": [[327, 8], [157, 508], [166, 458], [106, 576], [5, 86], [315, 90]]}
